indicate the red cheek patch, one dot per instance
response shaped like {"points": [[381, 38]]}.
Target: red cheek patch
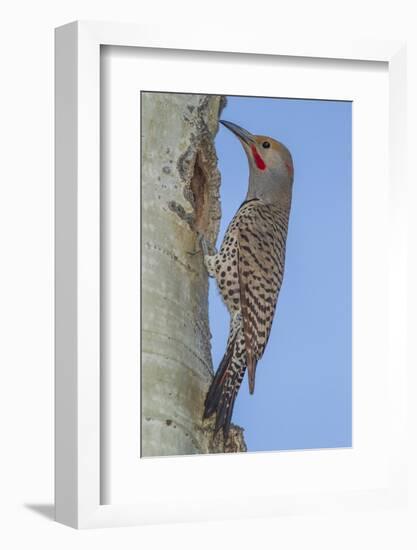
{"points": [[258, 159]]}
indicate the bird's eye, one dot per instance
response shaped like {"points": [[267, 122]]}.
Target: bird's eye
{"points": [[266, 144]]}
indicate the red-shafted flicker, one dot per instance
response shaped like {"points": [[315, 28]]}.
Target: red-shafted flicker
{"points": [[249, 268]]}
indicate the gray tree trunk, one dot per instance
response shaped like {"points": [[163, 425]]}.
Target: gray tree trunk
{"points": [[180, 195]]}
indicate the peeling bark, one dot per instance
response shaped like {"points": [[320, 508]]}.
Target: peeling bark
{"points": [[180, 196]]}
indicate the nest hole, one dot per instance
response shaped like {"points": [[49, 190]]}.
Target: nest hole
{"points": [[199, 189]]}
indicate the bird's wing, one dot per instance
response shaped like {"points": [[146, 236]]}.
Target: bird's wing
{"points": [[261, 251]]}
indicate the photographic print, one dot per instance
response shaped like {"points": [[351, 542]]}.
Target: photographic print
{"points": [[246, 286]]}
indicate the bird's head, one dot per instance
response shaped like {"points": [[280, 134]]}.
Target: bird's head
{"points": [[270, 165]]}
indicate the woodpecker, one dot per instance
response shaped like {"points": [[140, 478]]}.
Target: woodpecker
{"points": [[249, 268]]}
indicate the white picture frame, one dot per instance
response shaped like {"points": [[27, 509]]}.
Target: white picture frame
{"points": [[78, 449]]}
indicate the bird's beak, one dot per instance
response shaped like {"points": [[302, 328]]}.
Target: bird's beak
{"points": [[241, 133]]}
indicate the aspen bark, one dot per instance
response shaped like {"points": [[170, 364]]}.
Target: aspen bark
{"points": [[179, 196]]}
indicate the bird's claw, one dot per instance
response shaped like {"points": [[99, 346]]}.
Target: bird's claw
{"points": [[194, 253], [203, 243], [201, 248]]}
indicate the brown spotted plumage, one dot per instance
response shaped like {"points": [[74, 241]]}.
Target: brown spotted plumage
{"points": [[249, 268]]}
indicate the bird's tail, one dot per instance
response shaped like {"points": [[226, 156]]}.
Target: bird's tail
{"points": [[225, 385]]}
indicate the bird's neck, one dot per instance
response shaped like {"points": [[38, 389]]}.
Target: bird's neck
{"points": [[276, 193]]}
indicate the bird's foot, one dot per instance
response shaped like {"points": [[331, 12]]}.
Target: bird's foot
{"points": [[194, 252], [204, 247], [199, 247]]}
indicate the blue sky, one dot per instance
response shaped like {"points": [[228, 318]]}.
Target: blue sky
{"points": [[303, 393]]}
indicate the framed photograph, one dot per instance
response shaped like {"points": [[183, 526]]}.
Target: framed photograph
{"points": [[230, 276]]}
